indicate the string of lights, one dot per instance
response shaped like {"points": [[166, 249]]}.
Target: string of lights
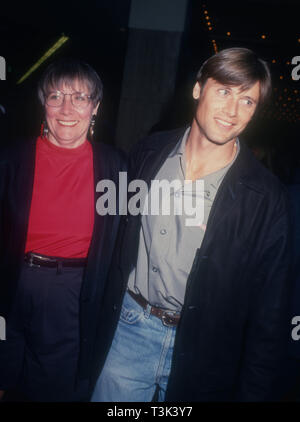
{"points": [[286, 102]]}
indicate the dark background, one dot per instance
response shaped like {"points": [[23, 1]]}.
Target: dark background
{"points": [[148, 74]]}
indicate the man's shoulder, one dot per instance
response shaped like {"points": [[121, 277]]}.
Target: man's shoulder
{"points": [[153, 144], [112, 156], [257, 177], [158, 139]]}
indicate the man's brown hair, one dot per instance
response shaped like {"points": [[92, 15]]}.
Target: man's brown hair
{"points": [[238, 66]]}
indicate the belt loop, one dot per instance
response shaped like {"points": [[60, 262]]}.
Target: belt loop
{"points": [[59, 266], [147, 311]]}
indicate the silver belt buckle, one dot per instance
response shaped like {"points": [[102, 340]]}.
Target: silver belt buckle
{"points": [[166, 319], [42, 258], [31, 264]]}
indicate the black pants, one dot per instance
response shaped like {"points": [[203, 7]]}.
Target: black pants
{"points": [[39, 357]]}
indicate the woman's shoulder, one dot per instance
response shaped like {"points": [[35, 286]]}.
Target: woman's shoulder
{"points": [[15, 150]]}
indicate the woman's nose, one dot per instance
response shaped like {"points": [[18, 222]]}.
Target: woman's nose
{"points": [[67, 103]]}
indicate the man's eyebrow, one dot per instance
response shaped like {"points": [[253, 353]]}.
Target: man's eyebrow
{"points": [[220, 86]]}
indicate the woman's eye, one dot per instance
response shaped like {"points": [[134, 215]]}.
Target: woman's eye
{"points": [[79, 97]]}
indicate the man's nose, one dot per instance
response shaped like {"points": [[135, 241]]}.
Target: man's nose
{"points": [[231, 107]]}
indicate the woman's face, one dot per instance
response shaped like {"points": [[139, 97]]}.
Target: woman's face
{"points": [[68, 125]]}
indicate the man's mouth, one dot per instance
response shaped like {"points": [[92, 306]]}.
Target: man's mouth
{"points": [[224, 123], [69, 123]]}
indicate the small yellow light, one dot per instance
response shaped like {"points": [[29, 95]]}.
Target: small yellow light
{"points": [[228, 33], [296, 91], [208, 23], [263, 37], [280, 77], [207, 17], [273, 61], [288, 62], [298, 40], [205, 11], [210, 28]]}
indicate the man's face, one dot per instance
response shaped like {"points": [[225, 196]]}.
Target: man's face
{"points": [[224, 111]]}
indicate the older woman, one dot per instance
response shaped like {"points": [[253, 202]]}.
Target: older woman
{"points": [[55, 248]]}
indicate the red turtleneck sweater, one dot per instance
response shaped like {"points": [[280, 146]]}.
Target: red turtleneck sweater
{"points": [[62, 208]]}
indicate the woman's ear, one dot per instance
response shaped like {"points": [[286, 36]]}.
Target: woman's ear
{"points": [[95, 110]]}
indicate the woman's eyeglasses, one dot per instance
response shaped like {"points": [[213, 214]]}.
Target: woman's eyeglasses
{"points": [[78, 99]]}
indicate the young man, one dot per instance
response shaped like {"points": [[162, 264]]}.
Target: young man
{"points": [[202, 308]]}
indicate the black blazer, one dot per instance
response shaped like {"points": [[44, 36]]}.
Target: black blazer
{"points": [[234, 326], [16, 185]]}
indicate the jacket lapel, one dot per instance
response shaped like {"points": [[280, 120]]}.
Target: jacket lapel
{"points": [[154, 166], [100, 172], [155, 156], [227, 193], [21, 191]]}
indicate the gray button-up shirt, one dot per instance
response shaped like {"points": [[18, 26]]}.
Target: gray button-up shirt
{"points": [[167, 245]]}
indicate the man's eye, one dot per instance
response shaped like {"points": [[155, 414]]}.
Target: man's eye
{"points": [[248, 102], [223, 92]]}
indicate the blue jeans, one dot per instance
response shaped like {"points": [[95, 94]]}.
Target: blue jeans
{"points": [[139, 360]]}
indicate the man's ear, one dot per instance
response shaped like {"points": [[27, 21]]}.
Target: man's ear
{"points": [[196, 91]]}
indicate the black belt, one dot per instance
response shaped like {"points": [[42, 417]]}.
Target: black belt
{"points": [[168, 318], [37, 260]]}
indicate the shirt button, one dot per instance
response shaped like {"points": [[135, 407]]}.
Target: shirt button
{"points": [[154, 269], [163, 231]]}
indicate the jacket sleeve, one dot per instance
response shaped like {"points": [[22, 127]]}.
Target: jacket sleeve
{"points": [[268, 328]]}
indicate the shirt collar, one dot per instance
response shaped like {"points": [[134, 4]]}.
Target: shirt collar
{"points": [[180, 146]]}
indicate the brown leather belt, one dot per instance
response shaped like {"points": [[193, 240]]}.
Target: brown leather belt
{"points": [[168, 318], [37, 260]]}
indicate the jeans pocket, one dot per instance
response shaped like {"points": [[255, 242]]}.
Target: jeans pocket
{"points": [[130, 316]]}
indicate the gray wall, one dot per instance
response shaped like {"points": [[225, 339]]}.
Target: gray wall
{"points": [[155, 31]]}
